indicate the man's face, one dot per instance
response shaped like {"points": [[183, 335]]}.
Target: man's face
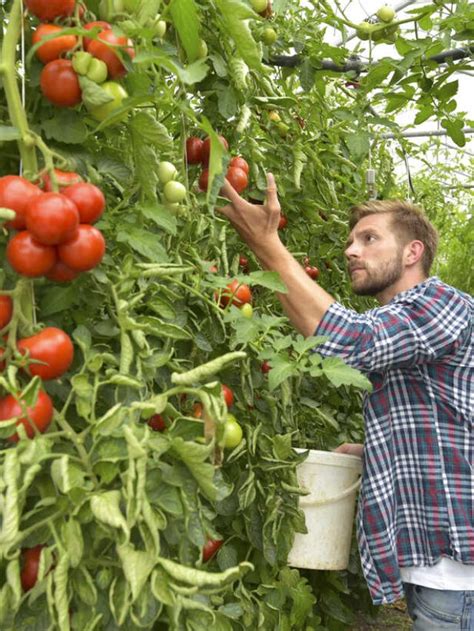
{"points": [[375, 256]]}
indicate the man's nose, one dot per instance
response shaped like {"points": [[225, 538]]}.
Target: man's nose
{"points": [[351, 251]]}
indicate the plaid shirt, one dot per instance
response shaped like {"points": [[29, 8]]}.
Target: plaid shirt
{"points": [[417, 496]]}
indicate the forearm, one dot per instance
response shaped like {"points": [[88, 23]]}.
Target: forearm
{"points": [[306, 302]]}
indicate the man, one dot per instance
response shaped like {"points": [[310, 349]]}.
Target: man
{"points": [[415, 523]]}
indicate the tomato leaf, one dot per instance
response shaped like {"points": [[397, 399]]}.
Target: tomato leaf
{"points": [[186, 22], [161, 216], [92, 94], [282, 368], [67, 126], [340, 373], [235, 16], [106, 508], [270, 280], [137, 566], [195, 458], [144, 243]]}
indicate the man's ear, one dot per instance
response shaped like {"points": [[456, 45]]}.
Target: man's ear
{"points": [[413, 252]]}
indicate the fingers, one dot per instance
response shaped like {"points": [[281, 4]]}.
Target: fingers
{"points": [[272, 198], [229, 191]]}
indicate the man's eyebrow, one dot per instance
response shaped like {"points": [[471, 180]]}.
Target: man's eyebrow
{"points": [[362, 233]]}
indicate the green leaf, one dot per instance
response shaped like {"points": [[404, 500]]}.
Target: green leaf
{"points": [[235, 16], [193, 73], [186, 21], [340, 374], [150, 130], [92, 94], [454, 129], [66, 475], [448, 90], [161, 216], [145, 243], [137, 566], [194, 456], [8, 133], [282, 368], [358, 144], [73, 540], [270, 280], [67, 126], [106, 508], [155, 326], [57, 299]]}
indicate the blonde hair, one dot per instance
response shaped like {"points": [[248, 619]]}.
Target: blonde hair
{"points": [[409, 222]]}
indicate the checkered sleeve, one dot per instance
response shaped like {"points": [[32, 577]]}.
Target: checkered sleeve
{"points": [[423, 327]]}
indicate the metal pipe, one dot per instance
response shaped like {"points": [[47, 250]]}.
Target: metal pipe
{"points": [[419, 134]]}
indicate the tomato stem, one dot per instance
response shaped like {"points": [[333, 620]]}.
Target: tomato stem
{"points": [[16, 111]]}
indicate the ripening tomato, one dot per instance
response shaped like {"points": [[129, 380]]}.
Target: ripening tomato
{"points": [[6, 310], [238, 178], [228, 395], [52, 218], [265, 367], [206, 148], [246, 310], [197, 410], [238, 292], [38, 415], [157, 423], [15, 194], [204, 180], [85, 250], [240, 163], [283, 221], [210, 548], [54, 48], [89, 201], [194, 150], [61, 273], [49, 10], [30, 560], [51, 346], [63, 178], [244, 264], [101, 25], [103, 49], [232, 432], [59, 83], [29, 257], [312, 271]]}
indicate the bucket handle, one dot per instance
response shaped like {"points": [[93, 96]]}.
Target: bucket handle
{"points": [[305, 501]]}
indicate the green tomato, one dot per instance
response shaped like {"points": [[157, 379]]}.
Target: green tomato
{"points": [[363, 30], [97, 71], [385, 14], [175, 192], [232, 432], [259, 5], [246, 310], [108, 9], [160, 27], [81, 62], [269, 36], [118, 94], [202, 49], [283, 129], [166, 172]]}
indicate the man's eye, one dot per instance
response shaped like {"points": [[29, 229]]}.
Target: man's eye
{"points": [[370, 237]]}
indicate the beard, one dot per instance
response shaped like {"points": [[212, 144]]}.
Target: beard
{"points": [[374, 281]]}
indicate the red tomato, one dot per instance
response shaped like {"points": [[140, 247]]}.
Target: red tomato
{"points": [[61, 273], [16, 193], [244, 263], [40, 415], [194, 150], [54, 48], [210, 548], [51, 346], [85, 250], [103, 48], [104, 26], [228, 395], [89, 200], [28, 257], [48, 10], [30, 560], [2, 363], [265, 367], [313, 272], [238, 292], [59, 83], [206, 149], [6, 310], [238, 178], [240, 163], [157, 423], [52, 218], [63, 178], [197, 410], [204, 180], [283, 221]]}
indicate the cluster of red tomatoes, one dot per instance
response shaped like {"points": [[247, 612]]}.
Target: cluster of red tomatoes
{"points": [[198, 152], [55, 237], [48, 355], [100, 58]]}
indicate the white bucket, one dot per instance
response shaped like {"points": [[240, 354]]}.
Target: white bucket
{"points": [[333, 480]]}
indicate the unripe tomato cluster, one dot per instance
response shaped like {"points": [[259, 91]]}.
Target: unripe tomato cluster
{"points": [[65, 63], [385, 15], [55, 237], [199, 151], [174, 192]]}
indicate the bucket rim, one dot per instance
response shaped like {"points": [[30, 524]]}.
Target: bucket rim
{"points": [[332, 458]]}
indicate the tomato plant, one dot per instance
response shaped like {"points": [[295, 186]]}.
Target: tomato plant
{"points": [[232, 432], [53, 348], [54, 48], [29, 257], [59, 83], [88, 199], [236, 293], [63, 179], [48, 10], [36, 417], [30, 560], [100, 25], [104, 48], [52, 218], [117, 93], [85, 250], [6, 310], [16, 193]]}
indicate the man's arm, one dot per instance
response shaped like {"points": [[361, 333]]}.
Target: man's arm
{"points": [[306, 302]]}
